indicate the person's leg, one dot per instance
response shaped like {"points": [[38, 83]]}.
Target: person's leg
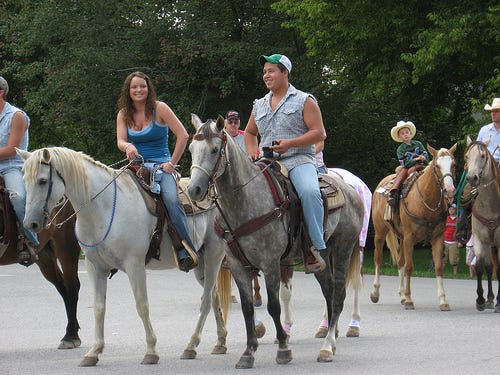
{"points": [[304, 179], [13, 178], [178, 217]]}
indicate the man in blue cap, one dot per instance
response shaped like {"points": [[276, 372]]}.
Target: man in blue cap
{"points": [[289, 121]]}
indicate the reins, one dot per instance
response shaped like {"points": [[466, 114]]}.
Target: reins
{"points": [[49, 192]]}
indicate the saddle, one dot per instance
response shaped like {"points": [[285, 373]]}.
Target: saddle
{"points": [[143, 177], [286, 199], [11, 235]]}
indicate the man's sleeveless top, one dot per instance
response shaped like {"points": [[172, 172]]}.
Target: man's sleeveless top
{"points": [[285, 122], [151, 142], [5, 128]]}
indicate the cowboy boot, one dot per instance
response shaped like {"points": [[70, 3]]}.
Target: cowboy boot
{"points": [[313, 261], [393, 199], [190, 261]]}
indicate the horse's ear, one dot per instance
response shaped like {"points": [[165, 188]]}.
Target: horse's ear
{"points": [[45, 156], [195, 120], [220, 123], [453, 148], [432, 150], [469, 140], [24, 154]]}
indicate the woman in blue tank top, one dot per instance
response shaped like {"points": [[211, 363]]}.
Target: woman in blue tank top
{"points": [[142, 128]]}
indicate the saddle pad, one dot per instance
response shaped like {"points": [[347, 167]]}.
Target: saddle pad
{"points": [[335, 196]]}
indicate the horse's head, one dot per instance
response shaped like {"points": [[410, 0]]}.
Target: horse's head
{"points": [[445, 167], [45, 187], [478, 160], [207, 151]]}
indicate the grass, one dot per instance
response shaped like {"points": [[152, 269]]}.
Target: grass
{"points": [[421, 261], [421, 265]]}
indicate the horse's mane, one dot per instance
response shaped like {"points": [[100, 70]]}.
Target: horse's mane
{"points": [[68, 162], [482, 146]]}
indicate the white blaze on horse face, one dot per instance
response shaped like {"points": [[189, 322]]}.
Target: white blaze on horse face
{"points": [[476, 162], [445, 164]]}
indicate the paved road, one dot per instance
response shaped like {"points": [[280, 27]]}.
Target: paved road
{"points": [[393, 341]]}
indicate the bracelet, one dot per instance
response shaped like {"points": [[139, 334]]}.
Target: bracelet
{"points": [[128, 145], [169, 162]]}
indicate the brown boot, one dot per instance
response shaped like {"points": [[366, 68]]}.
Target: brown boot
{"points": [[314, 264]]}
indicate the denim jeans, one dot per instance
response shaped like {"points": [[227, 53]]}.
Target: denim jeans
{"points": [[13, 177], [305, 180], [172, 202]]}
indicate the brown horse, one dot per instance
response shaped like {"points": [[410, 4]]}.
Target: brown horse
{"points": [[483, 175], [420, 216], [58, 262]]}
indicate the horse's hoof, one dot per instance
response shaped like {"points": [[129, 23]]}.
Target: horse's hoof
{"points": [[322, 332], [260, 330], [189, 354], [219, 349], [444, 307], [88, 361], [352, 332], [409, 306], [480, 307], [325, 356], [283, 356], [69, 344], [246, 361], [257, 302], [374, 298], [490, 305], [497, 309], [150, 359]]}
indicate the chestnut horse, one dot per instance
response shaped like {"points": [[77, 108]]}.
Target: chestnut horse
{"points": [[483, 175], [420, 216], [57, 260]]}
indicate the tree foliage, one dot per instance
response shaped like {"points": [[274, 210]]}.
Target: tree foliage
{"points": [[369, 63]]}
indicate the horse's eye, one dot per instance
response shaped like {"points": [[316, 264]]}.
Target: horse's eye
{"points": [[42, 181], [215, 150]]}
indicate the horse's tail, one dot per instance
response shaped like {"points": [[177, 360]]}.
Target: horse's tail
{"points": [[224, 291], [393, 245], [354, 271]]}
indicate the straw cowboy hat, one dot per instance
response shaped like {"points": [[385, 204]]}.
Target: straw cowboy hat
{"points": [[494, 105], [400, 125]]}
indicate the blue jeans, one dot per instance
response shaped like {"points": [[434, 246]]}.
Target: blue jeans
{"points": [[305, 180], [171, 199], [13, 177]]}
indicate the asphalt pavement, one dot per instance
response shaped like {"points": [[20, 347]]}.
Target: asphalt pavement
{"points": [[392, 340]]}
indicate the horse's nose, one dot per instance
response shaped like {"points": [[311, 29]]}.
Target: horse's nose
{"points": [[195, 192], [473, 179], [33, 226]]}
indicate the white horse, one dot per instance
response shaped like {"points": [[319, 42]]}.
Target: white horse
{"points": [[114, 226]]}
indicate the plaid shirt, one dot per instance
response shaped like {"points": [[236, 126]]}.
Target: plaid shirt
{"points": [[285, 122]]}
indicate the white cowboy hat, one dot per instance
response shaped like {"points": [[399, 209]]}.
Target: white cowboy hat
{"points": [[400, 125], [494, 105]]}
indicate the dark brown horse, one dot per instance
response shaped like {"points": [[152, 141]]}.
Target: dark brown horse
{"points": [[57, 260]]}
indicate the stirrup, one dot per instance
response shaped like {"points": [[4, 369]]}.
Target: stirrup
{"points": [[318, 266], [27, 256], [188, 263]]}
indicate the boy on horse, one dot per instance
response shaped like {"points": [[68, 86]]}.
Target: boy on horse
{"points": [[411, 155]]}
